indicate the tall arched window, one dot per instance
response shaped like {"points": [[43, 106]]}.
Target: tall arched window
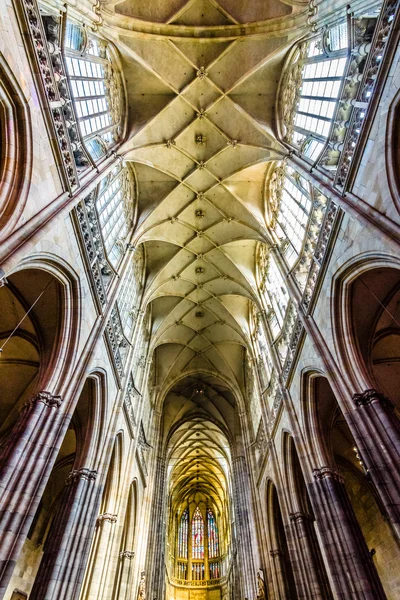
{"points": [[128, 299], [197, 535], [313, 84], [96, 89], [276, 295], [213, 541], [291, 205], [114, 206], [183, 535]]}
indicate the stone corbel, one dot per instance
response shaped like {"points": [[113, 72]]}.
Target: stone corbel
{"points": [[47, 398], [370, 396], [106, 517], [126, 554]]}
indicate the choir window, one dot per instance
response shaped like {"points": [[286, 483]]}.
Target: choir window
{"points": [[197, 535], [183, 537], [213, 543]]}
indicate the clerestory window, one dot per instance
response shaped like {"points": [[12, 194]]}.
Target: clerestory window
{"points": [[292, 206], [114, 206], [322, 77], [95, 89]]}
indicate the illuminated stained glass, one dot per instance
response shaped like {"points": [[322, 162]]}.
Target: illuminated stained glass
{"points": [[214, 570], [213, 545], [197, 535], [183, 535]]}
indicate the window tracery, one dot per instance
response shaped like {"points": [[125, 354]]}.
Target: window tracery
{"points": [[104, 238], [313, 87], [213, 541], [274, 291], [114, 206], [183, 536], [198, 535], [96, 89]]}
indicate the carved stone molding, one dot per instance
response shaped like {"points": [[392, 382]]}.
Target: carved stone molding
{"points": [[300, 516], [276, 552], [47, 398], [126, 554], [325, 472], [371, 395], [85, 474], [106, 517], [202, 73]]}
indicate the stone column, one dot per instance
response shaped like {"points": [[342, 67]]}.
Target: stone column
{"points": [[67, 545], [125, 574], [26, 462], [309, 560], [244, 519], [376, 432], [155, 563], [278, 559], [101, 555], [353, 573]]}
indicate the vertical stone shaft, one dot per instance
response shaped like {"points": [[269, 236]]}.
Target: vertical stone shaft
{"points": [[102, 554], [245, 535], [282, 591], [125, 574], [376, 431], [26, 462], [155, 566], [67, 546], [310, 565], [353, 573]]}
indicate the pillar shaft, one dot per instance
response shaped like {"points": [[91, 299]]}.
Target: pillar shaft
{"points": [[310, 566], [155, 565], [67, 546], [353, 573], [245, 540], [376, 431], [278, 559], [26, 462]]}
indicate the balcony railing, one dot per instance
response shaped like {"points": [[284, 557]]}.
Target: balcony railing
{"points": [[202, 583]]}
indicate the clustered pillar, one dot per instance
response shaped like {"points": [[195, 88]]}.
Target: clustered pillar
{"points": [[352, 571], [26, 465], [61, 570], [376, 431]]}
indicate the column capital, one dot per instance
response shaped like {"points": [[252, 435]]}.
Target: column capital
{"points": [[47, 398], [369, 396], [300, 516], [325, 472], [85, 474], [126, 554], [106, 517]]}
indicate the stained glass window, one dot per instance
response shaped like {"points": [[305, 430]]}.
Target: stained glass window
{"points": [[197, 535], [183, 535], [214, 570], [213, 545]]}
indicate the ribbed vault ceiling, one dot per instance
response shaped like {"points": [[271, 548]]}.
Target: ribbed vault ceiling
{"points": [[202, 79]]}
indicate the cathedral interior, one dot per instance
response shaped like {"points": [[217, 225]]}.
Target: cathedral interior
{"points": [[200, 300]]}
